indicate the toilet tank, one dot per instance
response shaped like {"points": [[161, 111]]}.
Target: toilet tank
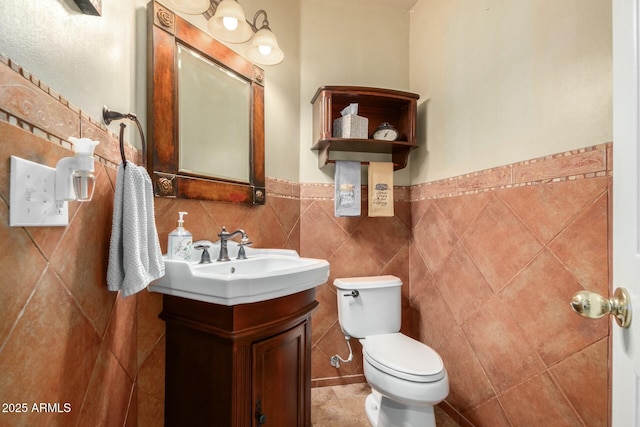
{"points": [[375, 310]]}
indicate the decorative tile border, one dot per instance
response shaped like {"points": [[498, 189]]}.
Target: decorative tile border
{"points": [[277, 187], [574, 163], [311, 191], [27, 102], [584, 163], [588, 162]]}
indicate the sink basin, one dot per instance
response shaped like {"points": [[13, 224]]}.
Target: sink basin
{"points": [[264, 275]]}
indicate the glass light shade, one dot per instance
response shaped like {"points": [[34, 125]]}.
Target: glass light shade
{"points": [[265, 41], [229, 9], [190, 7], [83, 185]]}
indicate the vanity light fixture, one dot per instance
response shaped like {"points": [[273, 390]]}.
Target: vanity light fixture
{"points": [[264, 47], [227, 22]]}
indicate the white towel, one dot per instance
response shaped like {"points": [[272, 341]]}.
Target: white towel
{"points": [[135, 257], [347, 188]]}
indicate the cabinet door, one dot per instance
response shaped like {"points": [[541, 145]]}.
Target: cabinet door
{"points": [[280, 376]]}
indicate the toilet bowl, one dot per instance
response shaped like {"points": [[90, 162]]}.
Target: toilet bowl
{"points": [[406, 376], [409, 378]]}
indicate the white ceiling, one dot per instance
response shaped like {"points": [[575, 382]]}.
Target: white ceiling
{"points": [[396, 4]]}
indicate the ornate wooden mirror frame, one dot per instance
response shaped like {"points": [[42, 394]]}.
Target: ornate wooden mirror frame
{"points": [[165, 31]]}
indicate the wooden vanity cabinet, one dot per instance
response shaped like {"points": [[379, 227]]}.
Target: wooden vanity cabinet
{"points": [[242, 365]]}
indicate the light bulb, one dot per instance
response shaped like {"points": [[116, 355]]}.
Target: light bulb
{"points": [[230, 23], [264, 50]]}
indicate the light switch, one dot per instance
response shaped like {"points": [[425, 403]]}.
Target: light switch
{"points": [[31, 198]]}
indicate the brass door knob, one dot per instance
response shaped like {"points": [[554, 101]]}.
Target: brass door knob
{"points": [[594, 306]]}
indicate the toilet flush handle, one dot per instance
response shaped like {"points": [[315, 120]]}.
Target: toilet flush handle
{"points": [[354, 293]]}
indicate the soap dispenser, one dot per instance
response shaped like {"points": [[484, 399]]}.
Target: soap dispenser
{"points": [[180, 241]]}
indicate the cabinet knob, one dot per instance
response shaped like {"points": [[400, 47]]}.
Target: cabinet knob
{"points": [[260, 417]]}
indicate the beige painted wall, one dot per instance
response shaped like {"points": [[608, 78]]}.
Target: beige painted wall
{"points": [[101, 60], [508, 80], [326, 42], [91, 60], [343, 43], [500, 81]]}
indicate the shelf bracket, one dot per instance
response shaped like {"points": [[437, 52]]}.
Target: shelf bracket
{"points": [[323, 157]]}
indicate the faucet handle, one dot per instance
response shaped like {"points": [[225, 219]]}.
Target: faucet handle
{"points": [[205, 258], [244, 241]]}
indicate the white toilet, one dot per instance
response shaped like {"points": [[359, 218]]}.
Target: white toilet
{"points": [[407, 377]]}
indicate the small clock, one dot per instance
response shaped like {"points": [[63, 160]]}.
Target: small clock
{"points": [[385, 132]]}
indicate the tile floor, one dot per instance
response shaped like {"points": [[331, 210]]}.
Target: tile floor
{"points": [[338, 406]]}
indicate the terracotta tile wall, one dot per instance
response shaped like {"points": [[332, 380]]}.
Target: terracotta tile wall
{"points": [[492, 259], [63, 337], [354, 246], [489, 261], [495, 257]]}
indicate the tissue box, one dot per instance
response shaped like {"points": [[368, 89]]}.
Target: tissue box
{"points": [[350, 126]]}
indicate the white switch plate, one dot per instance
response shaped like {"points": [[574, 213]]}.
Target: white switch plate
{"points": [[32, 196]]}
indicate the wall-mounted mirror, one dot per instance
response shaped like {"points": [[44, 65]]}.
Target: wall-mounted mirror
{"points": [[205, 115]]}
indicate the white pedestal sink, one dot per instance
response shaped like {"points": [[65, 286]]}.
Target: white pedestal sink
{"points": [[264, 275]]}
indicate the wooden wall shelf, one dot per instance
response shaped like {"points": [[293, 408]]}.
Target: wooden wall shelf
{"points": [[377, 105]]}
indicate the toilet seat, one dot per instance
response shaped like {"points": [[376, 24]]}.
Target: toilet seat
{"points": [[403, 357]]}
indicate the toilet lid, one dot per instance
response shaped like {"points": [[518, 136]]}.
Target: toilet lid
{"points": [[367, 282], [403, 357]]}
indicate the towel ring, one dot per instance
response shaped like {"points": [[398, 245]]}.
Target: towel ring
{"points": [[108, 116]]}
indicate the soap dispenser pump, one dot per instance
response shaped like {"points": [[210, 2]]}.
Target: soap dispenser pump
{"points": [[180, 241]]}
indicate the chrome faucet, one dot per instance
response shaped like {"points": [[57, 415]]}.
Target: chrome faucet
{"points": [[224, 236]]}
